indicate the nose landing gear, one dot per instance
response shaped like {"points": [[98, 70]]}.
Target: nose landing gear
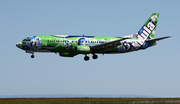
{"points": [[31, 52], [32, 56]]}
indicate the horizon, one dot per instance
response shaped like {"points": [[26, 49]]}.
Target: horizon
{"points": [[73, 96]]}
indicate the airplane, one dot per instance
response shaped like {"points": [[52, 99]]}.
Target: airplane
{"points": [[70, 46]]}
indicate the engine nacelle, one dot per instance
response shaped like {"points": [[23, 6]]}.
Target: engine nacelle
{"points": [[82, 49], [66, 54]]}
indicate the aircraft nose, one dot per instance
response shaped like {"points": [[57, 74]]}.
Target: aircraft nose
{"points": [[18, 45]]}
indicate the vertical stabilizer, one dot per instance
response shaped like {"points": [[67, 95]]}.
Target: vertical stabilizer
{"points": [[147, 31]]}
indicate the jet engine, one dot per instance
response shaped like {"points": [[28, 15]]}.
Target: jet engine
{"points": [[82, 49], [66, 54]]}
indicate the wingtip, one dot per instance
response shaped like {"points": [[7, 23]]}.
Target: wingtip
{"points": [[168, 36]]}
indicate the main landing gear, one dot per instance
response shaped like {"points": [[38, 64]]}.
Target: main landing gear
{"points": [[95, 56], [86, 58]]}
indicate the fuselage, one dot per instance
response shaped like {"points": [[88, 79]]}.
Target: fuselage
{"points": [[67, 44], [70, 46]]}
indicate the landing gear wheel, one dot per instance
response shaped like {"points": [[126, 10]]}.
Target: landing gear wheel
{"points": [[94, 56], [86, 58], [32, 56]]}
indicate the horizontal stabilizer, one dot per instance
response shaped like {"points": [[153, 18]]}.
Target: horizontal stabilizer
{"points": [[157, 39]]}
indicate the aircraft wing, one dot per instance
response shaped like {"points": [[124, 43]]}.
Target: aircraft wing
{"points": [[157, 39], [108, 45]]}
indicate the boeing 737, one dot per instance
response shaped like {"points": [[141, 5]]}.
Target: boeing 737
{"points": [[70, 46]]}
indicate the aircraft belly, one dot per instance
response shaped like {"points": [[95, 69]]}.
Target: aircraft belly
{"points": [[44, 50]]}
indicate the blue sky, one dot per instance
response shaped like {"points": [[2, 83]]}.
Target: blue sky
{"points": [[153, 72]]}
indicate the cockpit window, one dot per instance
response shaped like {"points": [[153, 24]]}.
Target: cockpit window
{"points": [[27, 39]]}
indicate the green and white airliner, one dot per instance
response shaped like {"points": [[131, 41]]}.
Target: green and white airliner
{"points": [[70, 46]]}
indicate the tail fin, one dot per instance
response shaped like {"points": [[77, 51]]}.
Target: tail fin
{"points": [[150, 26], [147, 31]]}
